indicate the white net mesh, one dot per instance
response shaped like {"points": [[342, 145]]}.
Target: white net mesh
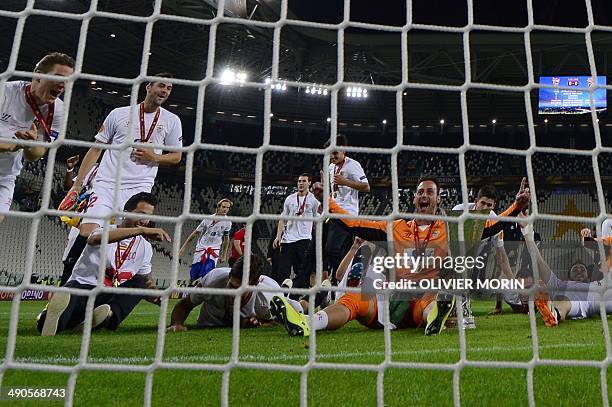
{"points": [[11, 362]]}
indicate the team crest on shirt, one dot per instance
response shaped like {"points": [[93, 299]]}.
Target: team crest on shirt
{"points": [[101, 129], [435, 234]]}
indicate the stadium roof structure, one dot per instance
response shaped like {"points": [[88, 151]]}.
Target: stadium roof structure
{"points": [[115, 48]]}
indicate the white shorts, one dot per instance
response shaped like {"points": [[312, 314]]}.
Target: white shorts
{"points": [[6, 194], [101, 202]]}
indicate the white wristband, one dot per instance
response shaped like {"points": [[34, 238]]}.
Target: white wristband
{"points": [[527, 230], [70, 170]]}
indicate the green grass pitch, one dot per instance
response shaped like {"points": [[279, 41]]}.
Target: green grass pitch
{"points": [[497, 338]]}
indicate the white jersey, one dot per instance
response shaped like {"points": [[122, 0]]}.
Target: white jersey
{"points": [[497, 240], [115, 130], [211, 237], [347, 197], [304, 206], [584, 297], [606, 228], [136, 252], [214, 311], [17, 115]]}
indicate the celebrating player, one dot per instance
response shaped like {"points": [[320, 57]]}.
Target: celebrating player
{"points": [[138, 169], [30, 111], [486, 198], [213, 242], [421, 237], [128, 264], [217, 309], [293, 236], [346, 179], [570, 299]]}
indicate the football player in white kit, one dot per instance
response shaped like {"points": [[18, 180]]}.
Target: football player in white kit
{"points": [[293, 236], [128, 264], [213, 242], [347, 179], [217, 309], [149, 123], [30, 111], [568, 299]]}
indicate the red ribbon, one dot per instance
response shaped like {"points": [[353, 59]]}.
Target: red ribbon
{"points": [[300, 211], [44, 122], [208, 253], [142, 125], [337, 169], [420, 250]]}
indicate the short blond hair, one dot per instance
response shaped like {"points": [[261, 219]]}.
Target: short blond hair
{"points": [[225, 200]]}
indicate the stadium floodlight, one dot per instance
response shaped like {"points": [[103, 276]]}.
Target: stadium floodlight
{"points": [[278, 86], [317, 90], [546, 121], [356, 92], [229, 77], [328, 119], [384, 121], [494, 121], [442, 121]]}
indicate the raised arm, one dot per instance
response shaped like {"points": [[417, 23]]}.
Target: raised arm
{"points": [[119, 234], [346, 261]]}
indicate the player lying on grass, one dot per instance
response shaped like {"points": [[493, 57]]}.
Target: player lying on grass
{"points": [[128, 265], [420, 237], [367, 309], [570, 299], [216, 309]]}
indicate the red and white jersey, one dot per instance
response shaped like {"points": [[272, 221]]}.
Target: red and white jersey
{"points": [[115, 130], [133, 256], [304, 206], [211, 237], [347, 197], [17, 115]]}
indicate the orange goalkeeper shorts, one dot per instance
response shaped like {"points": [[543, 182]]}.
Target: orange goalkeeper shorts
{"points": [[360, 306]]}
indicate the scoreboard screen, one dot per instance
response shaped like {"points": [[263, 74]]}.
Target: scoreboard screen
{"points": [[571, 101]]}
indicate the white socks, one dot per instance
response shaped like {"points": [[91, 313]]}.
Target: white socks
{"points": [[319, 320]]}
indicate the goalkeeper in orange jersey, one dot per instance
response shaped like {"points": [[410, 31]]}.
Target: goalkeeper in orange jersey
{"points": [[421, 237]]}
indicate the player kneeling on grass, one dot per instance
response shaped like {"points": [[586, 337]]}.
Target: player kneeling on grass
{"points": [[567, 299], [216, 310], [128, 264]]}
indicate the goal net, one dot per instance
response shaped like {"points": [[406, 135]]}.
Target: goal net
{"points": [[257, 87]]}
